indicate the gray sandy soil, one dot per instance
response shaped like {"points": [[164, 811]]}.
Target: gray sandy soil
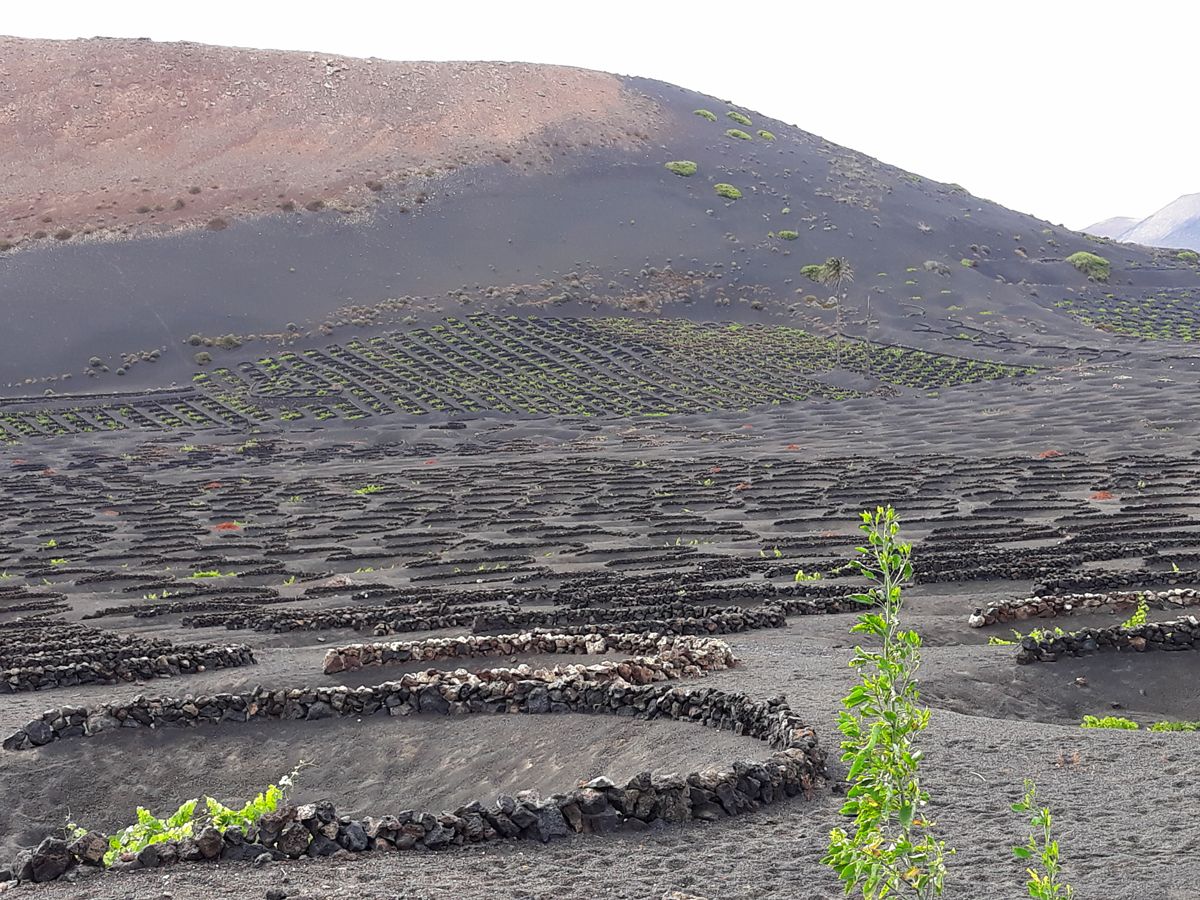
{"points": [[1120, 799], [1113, 795], [364, 766]]}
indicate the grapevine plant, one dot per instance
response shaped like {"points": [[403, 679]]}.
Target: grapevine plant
{"points": [[186, 822], [890, 848]]}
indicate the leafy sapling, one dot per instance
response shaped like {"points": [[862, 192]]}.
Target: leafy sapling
{"points": [[890, 848], [1041, 846]]}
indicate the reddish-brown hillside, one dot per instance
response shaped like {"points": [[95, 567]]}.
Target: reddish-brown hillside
{"points": [[103, 135]]}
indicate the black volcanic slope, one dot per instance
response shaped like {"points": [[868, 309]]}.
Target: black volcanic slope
{"points": [[601, 232]]}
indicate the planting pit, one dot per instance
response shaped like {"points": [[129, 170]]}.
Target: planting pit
{"points": [[1146, 687], [371, 766]]}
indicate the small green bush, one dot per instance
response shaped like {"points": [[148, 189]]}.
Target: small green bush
{"points": [[1175, 726], [740, 118], [149, 829], [765, 135], [705, 114], [1138, 619], [1091, 265], [1188, 256], [787, 235], [969, 263], [728, 191], [1119, 723], [684, 167], [812, 271], [186, 821], [740, 135]]}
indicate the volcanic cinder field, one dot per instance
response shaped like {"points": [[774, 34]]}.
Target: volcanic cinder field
{"points": [[420, 424]]}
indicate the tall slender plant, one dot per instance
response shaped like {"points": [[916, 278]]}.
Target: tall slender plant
{"points": [[835, 273], [1042, 846], [890, 849]]}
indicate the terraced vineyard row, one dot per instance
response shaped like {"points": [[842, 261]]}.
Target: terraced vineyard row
{"points": [[1169, 314], [516, 365]]}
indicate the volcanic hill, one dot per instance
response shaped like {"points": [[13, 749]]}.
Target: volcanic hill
{"points": [[474, 429], [171, 210]]}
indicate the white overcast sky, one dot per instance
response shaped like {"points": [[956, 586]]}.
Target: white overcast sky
{"points": [[1074, 111]]}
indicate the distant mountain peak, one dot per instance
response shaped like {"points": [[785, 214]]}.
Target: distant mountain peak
{"points": [[1175, 225], [1113, 227]]}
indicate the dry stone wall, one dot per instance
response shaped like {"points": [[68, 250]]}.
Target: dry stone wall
{"points": [[666, 657], [1053, 605], [600, 806], [1178, 634], [56, 654], [673, 620]]}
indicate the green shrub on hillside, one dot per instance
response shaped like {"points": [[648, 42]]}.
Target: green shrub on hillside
{"points": [[812, 271], [787, 235], [969, 263], [740, 135], [738, 117], [728, 191], [1091, 265], [684, 167], [765, 135], [705, 114], [1188, 256]]}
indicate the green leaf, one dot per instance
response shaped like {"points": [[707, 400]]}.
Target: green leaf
{"points": [[183, 814]]}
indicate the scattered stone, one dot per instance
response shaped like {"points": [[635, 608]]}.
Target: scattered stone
{"points": [[89, 848], [50, 860], [210, 842]]}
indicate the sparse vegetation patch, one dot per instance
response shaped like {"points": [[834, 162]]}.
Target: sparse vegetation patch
{"points": [[684, 167], [1095, 267]]}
